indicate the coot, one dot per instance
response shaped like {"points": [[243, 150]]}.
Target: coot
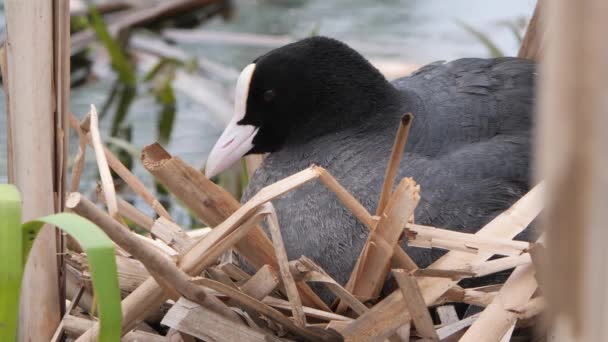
{"points": [[317, 101]]}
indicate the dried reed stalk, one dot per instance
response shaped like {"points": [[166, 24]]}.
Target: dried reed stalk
{"points": [[157, 264], [391, 313], [498, 317], [415, 305], [212, 205], [572, 155], [107, 182], [374, 260], [290, 285], [307, 270], [33, 162], [256, 305], [393, 165], [125, 174], [431, 237], [200, 322]]}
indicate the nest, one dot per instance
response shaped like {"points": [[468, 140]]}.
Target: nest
{"points": [[198, 292]]}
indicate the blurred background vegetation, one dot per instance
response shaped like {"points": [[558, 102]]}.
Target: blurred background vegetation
{"points": [[170, 79]]}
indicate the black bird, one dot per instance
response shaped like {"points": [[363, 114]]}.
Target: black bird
{"points": [[317, 101]]}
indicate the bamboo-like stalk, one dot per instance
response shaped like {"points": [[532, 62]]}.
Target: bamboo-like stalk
{"points": [[394, 161], [572, 155], [29, 56]]}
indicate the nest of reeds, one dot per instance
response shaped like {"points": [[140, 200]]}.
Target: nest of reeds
{"points": [[186, 285]]}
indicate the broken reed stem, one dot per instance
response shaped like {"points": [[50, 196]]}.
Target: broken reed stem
{"points": [[307, 270], [498, 317], [373, 264], [125, 174], [393, 164], [264, 309], [416, 305], [148, 296], [156, 263], [288, 282], [212, 205], [391, 313], [431, 237], [107, 182], [126, 209], [345, 197]]}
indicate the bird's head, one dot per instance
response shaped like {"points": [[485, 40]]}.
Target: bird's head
{"points": [[294, 93]]}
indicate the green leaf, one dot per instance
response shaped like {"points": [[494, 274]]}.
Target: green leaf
{"points": [[102, 264], [11, 260], [16, 241], [494, 50]]}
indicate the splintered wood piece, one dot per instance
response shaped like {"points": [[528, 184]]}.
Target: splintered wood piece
{"points": [[290, 285], [431, 237], [195, 320], [393, 163], [212, 205], [436, 273], [309, 271], [391, 313], [416, 305], [496, 320], [125, 174], [374, 265], [481, 269]]}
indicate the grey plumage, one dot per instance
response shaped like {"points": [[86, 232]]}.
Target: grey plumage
{"points": [[469, 149]]}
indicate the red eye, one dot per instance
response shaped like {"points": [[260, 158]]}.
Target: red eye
{"points": [[269, 95]]}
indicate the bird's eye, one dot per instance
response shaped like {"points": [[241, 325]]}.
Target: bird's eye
{"points": [[269, 95]]}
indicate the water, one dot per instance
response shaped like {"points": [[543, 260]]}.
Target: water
{"points": [[409, 31]]}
